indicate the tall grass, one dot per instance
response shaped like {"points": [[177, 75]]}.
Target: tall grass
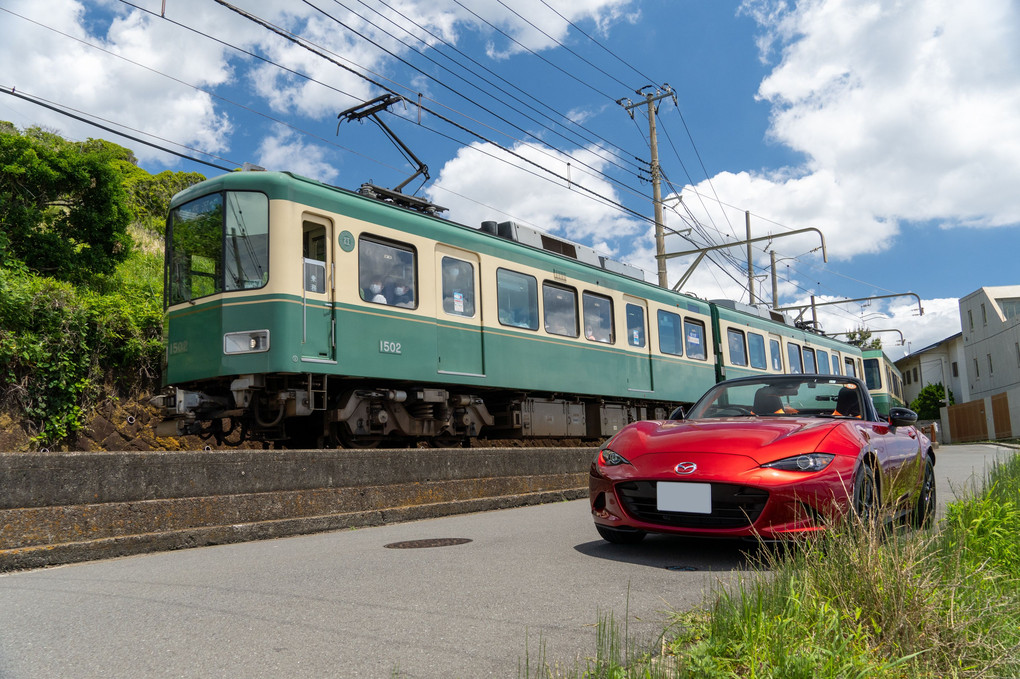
{"points": [[860, 602]]}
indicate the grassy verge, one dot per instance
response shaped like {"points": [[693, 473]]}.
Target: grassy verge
{"points": [[859, 603]]}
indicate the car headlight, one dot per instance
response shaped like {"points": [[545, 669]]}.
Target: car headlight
{"points": [[812, 462], [611, 458]]}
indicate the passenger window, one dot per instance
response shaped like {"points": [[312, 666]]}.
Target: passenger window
{"points": [[247, 244], [809, 360], [560, 309], [777, 355], [671, 336], [598, 318], [823, 362], [458, 287], [694, 334], [850, 372], [793, 354], [635, 325], [835, 364], [517, 299], [756, 351], [387, 273], [735, 341]]}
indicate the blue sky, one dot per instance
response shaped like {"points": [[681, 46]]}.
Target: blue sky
{"points": [[893, 127]]}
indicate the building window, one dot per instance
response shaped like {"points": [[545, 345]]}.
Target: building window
{"points": [[1018, 354], [991, 371], [977, 370], [984, 314], [970, 318], [915, 375], [906, 377], [956, 367]]}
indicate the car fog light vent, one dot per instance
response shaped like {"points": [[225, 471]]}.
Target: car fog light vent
{"points": [[431, 542]]}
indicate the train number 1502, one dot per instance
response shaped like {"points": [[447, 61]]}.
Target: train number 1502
{"points": [[388, 347]]}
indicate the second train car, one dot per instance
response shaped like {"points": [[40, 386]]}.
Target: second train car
{"points": [[309, 315]]}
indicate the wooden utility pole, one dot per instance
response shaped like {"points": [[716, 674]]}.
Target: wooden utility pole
{"points": [[660, 235]]}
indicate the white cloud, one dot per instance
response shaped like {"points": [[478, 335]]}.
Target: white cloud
{"points": [[484, 183], [284, 150], [901, 105]]}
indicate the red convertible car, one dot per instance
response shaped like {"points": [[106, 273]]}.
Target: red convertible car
{"points": [[766, 457]]}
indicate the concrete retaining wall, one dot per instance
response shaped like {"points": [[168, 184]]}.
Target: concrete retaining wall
{"points": [[65, 507]]}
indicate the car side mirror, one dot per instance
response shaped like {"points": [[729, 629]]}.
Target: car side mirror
{"points": [[678, 414], [902, 417]]}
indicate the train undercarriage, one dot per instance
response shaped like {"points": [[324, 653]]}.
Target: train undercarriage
{"points": [[315, 411]]}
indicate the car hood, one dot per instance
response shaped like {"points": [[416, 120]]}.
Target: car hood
{"points": [[762, 439]]}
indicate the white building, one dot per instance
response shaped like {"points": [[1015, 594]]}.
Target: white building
{"points": [[941, 363], [990, 319]]}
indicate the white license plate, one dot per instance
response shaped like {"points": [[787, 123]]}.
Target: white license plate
{"points": [[684, 497]]}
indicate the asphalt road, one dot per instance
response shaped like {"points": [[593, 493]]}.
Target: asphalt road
{"points": [[528, 588]]}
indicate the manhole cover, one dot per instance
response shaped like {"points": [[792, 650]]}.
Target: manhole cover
{"points": [[431, 542]]}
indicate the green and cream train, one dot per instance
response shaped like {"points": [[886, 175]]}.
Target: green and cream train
{"points": [[307, 315]]}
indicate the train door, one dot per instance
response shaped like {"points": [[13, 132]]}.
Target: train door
{"points": [[458, 315], [640, 378], [318, 331]]}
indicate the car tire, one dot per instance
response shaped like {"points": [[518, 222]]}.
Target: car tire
{"points": [[620, 537], [924, 511], [866, 498]]}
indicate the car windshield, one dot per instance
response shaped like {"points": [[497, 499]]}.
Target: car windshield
{"points": [[783, 396]]}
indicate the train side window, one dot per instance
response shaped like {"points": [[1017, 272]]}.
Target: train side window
{"points": [[809, 360], [735, 341], [835, 363], [598, 318], [560, 308], [796, 363], [387, 273], [756, 351], [776, 352], [850, 372], [694, 336], [458, 287], [635, 325], [671, 334], [823, 362], [517, 299]]}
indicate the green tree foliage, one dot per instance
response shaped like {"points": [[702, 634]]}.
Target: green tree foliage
{"points": [[149, 195], [928, 402], [63, 210], [80, 309], [861, 337]]}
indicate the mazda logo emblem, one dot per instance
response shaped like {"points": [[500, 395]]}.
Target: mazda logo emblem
{"points": [[685, 468]]}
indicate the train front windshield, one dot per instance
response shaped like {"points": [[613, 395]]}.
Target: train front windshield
{"points": [[217, 243]]}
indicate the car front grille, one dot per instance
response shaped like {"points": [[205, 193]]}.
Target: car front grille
{"points": [[733, 506]]}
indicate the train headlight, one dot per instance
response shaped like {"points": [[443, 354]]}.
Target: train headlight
{"points": [[248, 342]]}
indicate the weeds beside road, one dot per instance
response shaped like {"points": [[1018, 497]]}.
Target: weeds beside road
{"points": [[861, 602]]}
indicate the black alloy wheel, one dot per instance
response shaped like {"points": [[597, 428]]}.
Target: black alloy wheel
{"points": [[866, 499], [924, 511]]}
